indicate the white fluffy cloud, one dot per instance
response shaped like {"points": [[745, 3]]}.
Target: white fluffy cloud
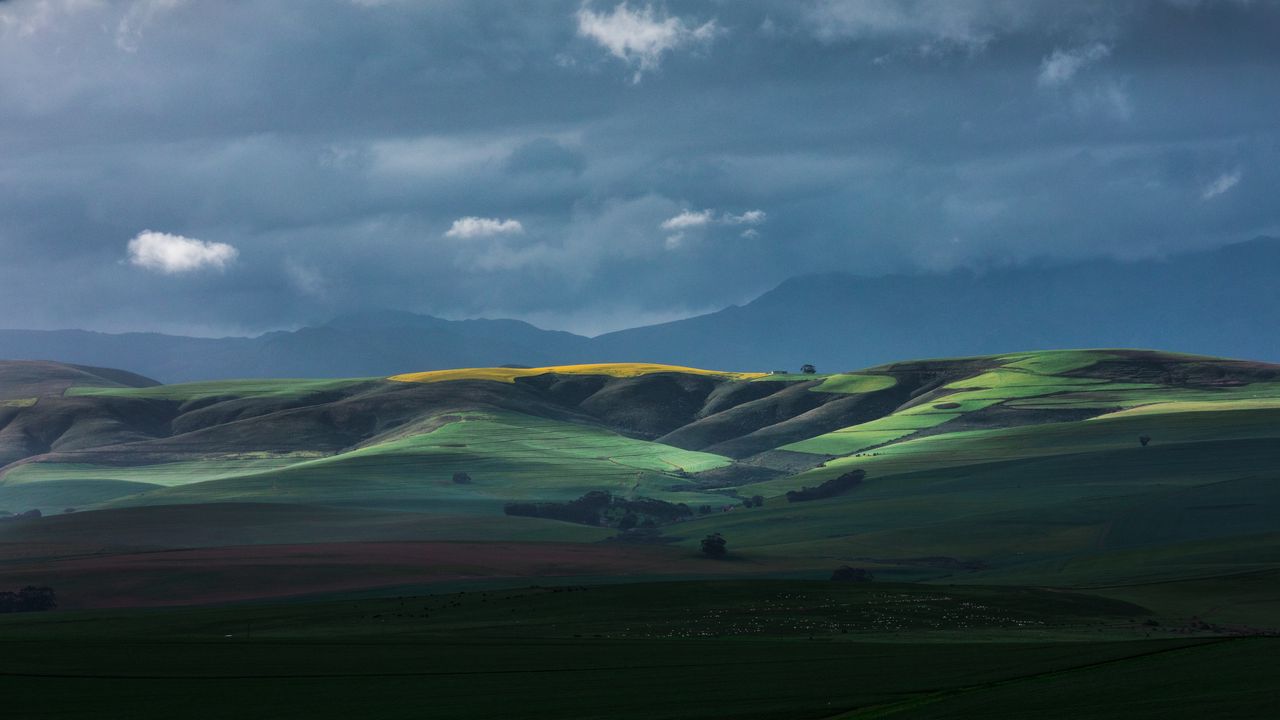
{"points": [[690, 219], [1221, 184], [750, 217], [474, 227], [171, 254], [1058, 69], [687, 220], [641, 37]]}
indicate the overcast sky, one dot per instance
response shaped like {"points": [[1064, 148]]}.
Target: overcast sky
{"points": [[232, 167]]}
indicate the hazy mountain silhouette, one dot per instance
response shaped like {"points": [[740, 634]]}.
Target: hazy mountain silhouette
{"points": [[1223, 302]]}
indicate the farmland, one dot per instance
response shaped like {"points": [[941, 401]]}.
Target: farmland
{"points": [[965, 458], [718, 649], [1031, 524]]}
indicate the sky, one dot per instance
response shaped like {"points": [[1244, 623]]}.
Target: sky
{"points": [[233, 167]]}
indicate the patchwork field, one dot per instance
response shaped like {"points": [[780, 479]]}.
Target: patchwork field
{"points": [[1097, 527], [992, 467]]}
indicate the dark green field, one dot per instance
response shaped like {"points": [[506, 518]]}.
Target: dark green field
{"points": [[1068, 534], [746, 649]]}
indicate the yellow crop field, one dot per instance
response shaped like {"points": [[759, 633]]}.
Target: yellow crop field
{"points": [[19, 402], [621, 370]]}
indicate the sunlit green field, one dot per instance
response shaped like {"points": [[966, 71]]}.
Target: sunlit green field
{"points": [[507, 456], [1018, 377], [276, 387]]}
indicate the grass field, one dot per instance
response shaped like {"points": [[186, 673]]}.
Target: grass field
{"points": [[279, 388], [508, 456], [1038, 504], [855, 383], [1028, 375], [708, 650], [1115, 432], [158, 475]]}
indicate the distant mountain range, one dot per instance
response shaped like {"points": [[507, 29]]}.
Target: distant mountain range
{"points": [[1223, 302]]}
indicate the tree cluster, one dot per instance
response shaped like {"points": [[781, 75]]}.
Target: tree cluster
{"points": [[28, 599], [831, 488], [844, 573], [715, 546], [602, 509]]}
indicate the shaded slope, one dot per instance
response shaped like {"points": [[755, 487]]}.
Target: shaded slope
{"points": [[31, 379]]}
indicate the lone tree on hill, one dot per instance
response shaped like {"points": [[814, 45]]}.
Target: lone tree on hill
{"points": [[844, 573], [714, 546], [808, 369]]}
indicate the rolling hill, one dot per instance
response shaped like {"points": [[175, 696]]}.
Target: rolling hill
{"points": [[1084, 466]]}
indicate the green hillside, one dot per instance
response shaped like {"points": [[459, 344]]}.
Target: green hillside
{"points": [[1007, 467], [506, 456]]}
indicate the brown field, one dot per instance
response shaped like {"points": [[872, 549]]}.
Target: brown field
{"points": [[230, 574]]}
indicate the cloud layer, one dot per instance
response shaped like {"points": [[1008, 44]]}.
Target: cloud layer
{"points": [[466, 159]]}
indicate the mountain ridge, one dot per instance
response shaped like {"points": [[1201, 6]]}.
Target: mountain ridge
{"points": [[1220, 302]]}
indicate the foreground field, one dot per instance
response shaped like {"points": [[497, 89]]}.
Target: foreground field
{"points": [[778, 649]]}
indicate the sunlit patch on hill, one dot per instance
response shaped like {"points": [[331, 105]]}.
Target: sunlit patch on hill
{"points": [[620, 370]]}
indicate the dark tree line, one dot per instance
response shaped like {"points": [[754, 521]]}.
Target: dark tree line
{"points": [[831, 488], [28, 599], [603, 509], [844, 573]]}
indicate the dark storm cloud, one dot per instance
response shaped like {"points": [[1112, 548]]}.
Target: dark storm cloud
{"points": [[334, 144]]}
